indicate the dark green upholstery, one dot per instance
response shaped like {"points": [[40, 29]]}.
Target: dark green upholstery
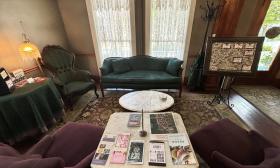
{"points": [[71, 82], [141, 72]]}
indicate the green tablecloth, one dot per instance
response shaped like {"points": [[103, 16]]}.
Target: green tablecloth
{"points": [[29, 109]]}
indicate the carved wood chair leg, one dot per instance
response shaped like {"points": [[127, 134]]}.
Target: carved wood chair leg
{"points": [[180, 91], [95, 91], [102, 90]]}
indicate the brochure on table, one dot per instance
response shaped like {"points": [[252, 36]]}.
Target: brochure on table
{"points": [[122, 150]]}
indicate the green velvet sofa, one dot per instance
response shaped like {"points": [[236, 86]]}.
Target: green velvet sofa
{"points": [[141, 72]]}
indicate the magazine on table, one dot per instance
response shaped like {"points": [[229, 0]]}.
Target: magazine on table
{"points": [[120, 149], [134, 120], [180, 149], [157, 153], [136, 152], [162, 123], [103, 150]]}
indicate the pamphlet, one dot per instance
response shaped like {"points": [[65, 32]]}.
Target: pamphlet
{"points": [[120, 149], [135, 152], [134, 120], [156, 153], [162, 123], [180, 149], [103, 151]]}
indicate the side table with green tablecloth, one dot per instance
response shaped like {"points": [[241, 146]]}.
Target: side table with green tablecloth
{"points": [[28, 110]]}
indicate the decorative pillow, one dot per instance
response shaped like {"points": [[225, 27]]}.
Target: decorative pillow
{"points": [[120, 66], [106, 67], [173, 66]]}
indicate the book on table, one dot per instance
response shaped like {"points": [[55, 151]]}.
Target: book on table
{"points": [[134, 120], [136, 152], [162, 123], [180, 149], [157, 153], [120, 149], [103, 150]]}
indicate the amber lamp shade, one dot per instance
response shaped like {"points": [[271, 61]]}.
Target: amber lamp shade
{"points": [[28, 50]]}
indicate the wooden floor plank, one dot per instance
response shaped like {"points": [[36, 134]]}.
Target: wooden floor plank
{"points": [[255, 119]]}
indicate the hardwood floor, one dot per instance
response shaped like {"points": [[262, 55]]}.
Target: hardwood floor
{"points": [[255, 119]]}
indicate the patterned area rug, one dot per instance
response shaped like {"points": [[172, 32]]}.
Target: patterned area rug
{"points": [[193, 108], [265, 98]]}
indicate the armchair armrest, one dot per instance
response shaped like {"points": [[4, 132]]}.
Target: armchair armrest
{"points": [[82, 75], [56, 81], [224, 161], [41, 147], [259, 140]]}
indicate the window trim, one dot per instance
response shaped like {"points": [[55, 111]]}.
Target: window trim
{"points": [[89, 5], [190, 19]]}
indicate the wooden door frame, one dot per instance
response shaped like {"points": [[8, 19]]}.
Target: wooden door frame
{"points": [[261, 77]]}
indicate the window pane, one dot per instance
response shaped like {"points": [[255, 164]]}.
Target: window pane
{"points": [[270, 46], [113, 28], [168, 28]]}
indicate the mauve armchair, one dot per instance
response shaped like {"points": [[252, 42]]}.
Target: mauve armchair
{"points": [[223, 144], [72, 146]]}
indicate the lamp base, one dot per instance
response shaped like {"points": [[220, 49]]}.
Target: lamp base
{"points": [[142, 133]]}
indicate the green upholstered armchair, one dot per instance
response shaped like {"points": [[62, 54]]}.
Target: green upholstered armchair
{"points": [[71, 82]]}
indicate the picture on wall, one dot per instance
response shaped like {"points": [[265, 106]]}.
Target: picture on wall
{"points": [[232, 55]]}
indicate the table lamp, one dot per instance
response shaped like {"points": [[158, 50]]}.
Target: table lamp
{"points": [[29, 50]]}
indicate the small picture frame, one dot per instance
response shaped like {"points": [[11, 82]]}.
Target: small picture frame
{"points": [[237, 59], [226, 45], [238, 45]]}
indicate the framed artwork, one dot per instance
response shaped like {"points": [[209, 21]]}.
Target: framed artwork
{"points": [[232, 55]]}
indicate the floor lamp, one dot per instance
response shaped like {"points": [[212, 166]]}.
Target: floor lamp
{"points": [[29, 50]]}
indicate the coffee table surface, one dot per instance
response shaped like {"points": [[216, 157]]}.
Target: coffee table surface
{"points": [[118, 124], [147, 100]]}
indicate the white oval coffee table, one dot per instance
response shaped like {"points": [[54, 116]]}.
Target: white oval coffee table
{"points": [[147, 100]]}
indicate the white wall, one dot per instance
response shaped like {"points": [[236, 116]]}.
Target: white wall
{"points": [[43, 25], [76, 23]]}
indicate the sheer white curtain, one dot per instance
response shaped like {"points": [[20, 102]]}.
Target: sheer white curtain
{"points": [[113, 26], [168, 27]]}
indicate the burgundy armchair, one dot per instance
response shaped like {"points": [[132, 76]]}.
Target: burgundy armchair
{"points": [[71, 146], [225, 145]]}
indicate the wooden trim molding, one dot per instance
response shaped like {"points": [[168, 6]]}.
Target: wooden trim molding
{"points": [[31, 69], [258, 17], [226, 23], [86, 55]]}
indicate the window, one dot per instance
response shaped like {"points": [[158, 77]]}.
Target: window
{"points": [[113, 21], [166, 27], [270, 46]]}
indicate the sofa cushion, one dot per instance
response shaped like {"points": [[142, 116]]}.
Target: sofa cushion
{"points": [[54, 162], [10, 161], [75, 87], [120, 65], [6, 150], [173, 66], [141, 77], [143, 62], [271, 152]]}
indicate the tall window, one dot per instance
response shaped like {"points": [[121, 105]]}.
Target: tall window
{"points": [[270, 46], [167, 27], [113, 27]]}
